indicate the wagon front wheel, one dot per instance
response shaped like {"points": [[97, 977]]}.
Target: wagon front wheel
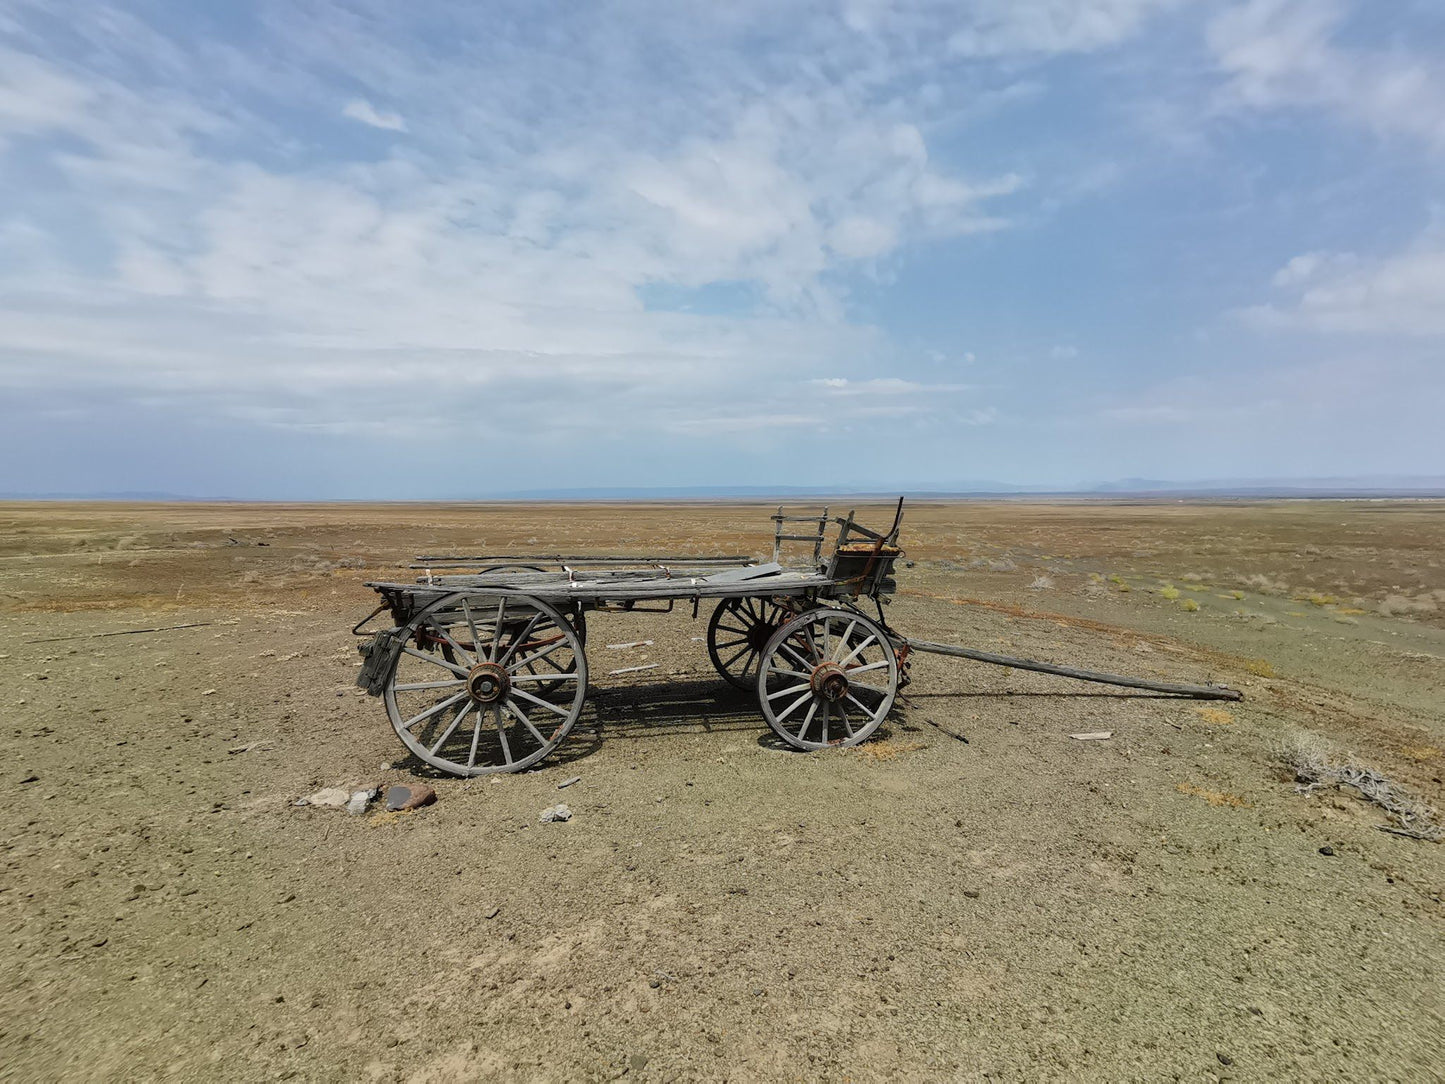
{"points": [[486, 683], [828, 678], [737, 633]]}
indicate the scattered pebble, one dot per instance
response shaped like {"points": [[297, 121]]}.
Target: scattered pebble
{"points": [[494, 912], [568, 782], [558, 812], [1095, 735], [1224, 1059], [1327, 851], [360, 799]]}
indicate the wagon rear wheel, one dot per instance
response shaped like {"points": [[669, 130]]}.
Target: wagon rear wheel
{"points": [[737, 633], [828, 678], [486, 683]]}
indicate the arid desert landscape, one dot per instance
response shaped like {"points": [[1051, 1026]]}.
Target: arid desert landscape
{"points": [[971, 894]]}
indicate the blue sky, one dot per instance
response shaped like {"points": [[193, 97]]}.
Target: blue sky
{"points": [[368, 249]]}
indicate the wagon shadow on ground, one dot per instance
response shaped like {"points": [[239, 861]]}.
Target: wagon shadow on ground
{"points": [[684, 709]]}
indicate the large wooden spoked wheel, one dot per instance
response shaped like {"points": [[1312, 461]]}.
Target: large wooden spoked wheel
{"points": [[486, 684], [546, 667], [828, 678], [737, 632]]}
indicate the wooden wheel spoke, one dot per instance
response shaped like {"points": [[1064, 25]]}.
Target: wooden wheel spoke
{"points": [[497, 636], [521, 716], [843, 714], [472, 626], [539, 701], [433, 710], [787, 691], [530, 659], [520, 639], [843, 640], [864, 669], [854, 653], [413, 686], [447, 733], [808, 719], [462, 653], [789, 673], [794, 705], [867, 712], [436, 660], [502, 735], [476, 738]]}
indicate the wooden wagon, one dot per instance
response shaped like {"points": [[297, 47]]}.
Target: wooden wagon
{"points": [[484, 668]]}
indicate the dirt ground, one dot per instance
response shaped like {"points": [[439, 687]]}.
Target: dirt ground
{"points": [[972, 894]]}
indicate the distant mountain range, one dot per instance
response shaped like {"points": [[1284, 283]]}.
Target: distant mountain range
{"points": [[1244, 488]]}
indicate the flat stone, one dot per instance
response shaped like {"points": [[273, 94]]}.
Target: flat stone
{"points": [[328, 798], [558, 812]]}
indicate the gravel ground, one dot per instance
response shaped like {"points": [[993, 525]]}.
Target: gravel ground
{"points": [[971, 894]]}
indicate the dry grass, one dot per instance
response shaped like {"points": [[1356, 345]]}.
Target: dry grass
{"points": [[886, 750], [1169, 591], [1213, 797], [1260, 668], [1316, 766], [1189, 606], [1214, 716]]}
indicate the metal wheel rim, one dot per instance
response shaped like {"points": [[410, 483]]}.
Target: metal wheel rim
{"points": [[813, 648], [525, 723], [733, 637]]}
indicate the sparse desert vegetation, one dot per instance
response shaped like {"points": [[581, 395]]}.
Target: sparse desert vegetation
{"points": [[973, 892]]}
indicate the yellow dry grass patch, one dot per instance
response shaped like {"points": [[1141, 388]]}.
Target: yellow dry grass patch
{"points": [[1215, 716], [887, 750], [1213, 797], [1170, 592], [1260, 668], [1421, 752]]}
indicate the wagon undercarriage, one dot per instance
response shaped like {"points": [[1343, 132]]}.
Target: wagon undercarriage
{"points": [[486, 671]]}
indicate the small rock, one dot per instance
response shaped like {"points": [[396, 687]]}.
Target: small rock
{"points": [[494, 912], [1327, 851], [568, 782], [359, 800], [32, 778], [558, 812], [328, 798], [637, 1062], [1224, 1059], [402, 798], [386, 764], [971, 893], [654, 983]]}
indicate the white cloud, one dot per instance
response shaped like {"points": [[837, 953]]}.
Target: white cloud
{"points": [[1283, 53], [993, 28], [361, 110], [1401, 294]]}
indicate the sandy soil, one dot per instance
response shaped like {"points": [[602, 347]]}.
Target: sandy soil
{"points": [[971, 894]]}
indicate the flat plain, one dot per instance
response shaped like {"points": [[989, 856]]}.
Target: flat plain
{"points": [[971, 894]]}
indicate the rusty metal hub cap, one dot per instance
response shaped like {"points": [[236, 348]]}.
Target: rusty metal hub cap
{"points": [[829, 681], [488, 683]]}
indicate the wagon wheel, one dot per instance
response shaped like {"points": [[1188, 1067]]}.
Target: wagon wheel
{"points": [[829, 678], [543, 668], [737, 632], [470, 701]]}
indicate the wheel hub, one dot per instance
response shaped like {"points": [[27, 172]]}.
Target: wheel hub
{"points": [[829, 681], [487, 683]]}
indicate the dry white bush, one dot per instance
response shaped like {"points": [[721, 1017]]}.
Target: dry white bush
{"points": [[1316, 766]]}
